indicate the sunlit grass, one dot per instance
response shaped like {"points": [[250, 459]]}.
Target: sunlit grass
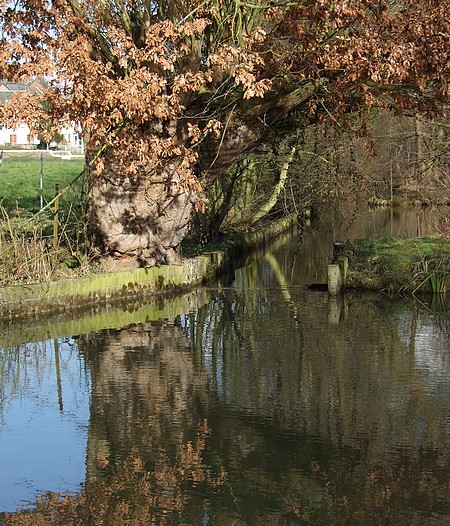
{"points": [[31, 250], [20, 180], [396, 265]]}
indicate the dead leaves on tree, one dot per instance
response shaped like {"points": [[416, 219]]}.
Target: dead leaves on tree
{"points": [[173, 75]]}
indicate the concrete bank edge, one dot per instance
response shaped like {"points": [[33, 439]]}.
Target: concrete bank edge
{"points": [[68, 294]]}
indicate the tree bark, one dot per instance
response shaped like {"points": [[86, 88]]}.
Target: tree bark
{"points": [[247, 128], [139, 219]]}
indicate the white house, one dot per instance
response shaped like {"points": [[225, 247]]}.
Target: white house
{"points": [[20, 137]]}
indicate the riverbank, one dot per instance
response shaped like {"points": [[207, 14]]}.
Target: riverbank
{"points": [[108, 287], [413, 265]]}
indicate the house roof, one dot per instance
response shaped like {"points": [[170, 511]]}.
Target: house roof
{"points": [[7, 88]]}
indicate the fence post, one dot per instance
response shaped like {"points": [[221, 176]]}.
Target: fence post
{"points": [[335, 279], [56, 219], [41, 181]]}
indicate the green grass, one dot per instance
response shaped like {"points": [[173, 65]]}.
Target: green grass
{"points": [[29, 249], [19, 180], [398, 265]]}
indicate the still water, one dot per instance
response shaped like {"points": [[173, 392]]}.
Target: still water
{"points": [[253, 402]]}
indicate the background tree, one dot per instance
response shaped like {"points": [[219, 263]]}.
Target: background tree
{"points": [[171, 93]]}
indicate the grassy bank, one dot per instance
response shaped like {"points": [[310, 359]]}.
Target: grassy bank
{"points": [[399, 265], [20, 180], [33, 247]]}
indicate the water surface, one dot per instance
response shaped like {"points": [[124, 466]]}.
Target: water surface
{"points": [[262, 402]]}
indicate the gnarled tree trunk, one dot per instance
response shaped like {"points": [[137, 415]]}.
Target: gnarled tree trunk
{"points": [[138, 219], [140, 216]]}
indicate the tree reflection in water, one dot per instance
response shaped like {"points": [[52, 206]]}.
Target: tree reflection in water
{"points": [[145, 443], [255, 410]]}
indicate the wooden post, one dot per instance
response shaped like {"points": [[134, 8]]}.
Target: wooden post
{"points": [[337, 274], [56, 219], [41, 181], [335, 280]]}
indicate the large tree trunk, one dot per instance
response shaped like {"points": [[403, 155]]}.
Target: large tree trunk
{"points": [[140, 219]]}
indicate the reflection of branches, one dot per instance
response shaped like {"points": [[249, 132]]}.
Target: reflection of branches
{"points": [[33, 364], [132, 495], [16, 365], [217, 332], [270, 258], [58, 375]]}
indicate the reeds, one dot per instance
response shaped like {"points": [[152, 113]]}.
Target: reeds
{"points": [[24, 249], [33, 251], [433, 276], [438, 282]]}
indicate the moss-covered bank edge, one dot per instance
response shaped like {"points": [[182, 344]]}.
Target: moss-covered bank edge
{"points": [[410, 265], [104, 288]]}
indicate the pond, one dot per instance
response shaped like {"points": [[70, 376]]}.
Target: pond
{"points": [[260, 402]]}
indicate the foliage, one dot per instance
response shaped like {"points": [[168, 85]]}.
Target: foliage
{"points": [[171, 93]]}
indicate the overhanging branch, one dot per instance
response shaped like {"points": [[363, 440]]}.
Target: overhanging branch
{"points": [[254, 123]]}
